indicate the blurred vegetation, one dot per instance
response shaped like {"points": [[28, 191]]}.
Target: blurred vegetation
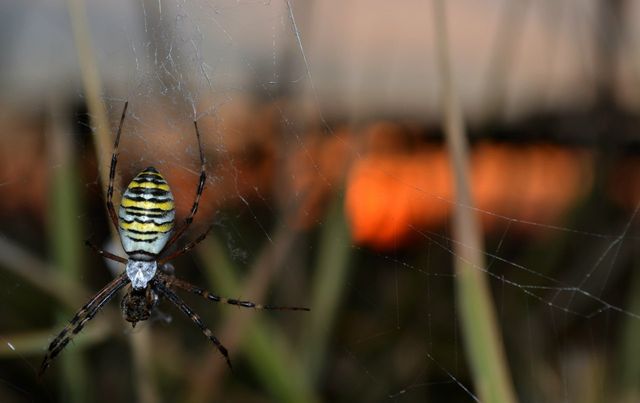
{"points": [[349, 216]]}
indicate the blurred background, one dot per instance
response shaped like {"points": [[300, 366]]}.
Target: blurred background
{"points": [[330, 186]]}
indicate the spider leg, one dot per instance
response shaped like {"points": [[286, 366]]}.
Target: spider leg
{"points": [[196, 202], [211, 297], [105, 254], [112, 170], [85, 314], [186, 248], [177, 301]]}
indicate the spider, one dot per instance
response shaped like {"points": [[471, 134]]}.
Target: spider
{"points": [[146, 226]]}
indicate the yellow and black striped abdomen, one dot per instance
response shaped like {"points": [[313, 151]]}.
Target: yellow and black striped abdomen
{"points": [[147, 215]]}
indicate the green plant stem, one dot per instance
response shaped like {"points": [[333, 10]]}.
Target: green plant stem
{"points": [[92, 84], [502, 57], [480, 332], [266, 349], [328, 287], [20, 262], [255, 284], [65, 242], [629, 365]]}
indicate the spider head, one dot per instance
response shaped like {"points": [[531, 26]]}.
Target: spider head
{"points": [[137, 305], [140, 272]]}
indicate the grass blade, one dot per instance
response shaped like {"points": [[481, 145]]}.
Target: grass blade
{"points": [[481, 334], [266, 348], [65, 243], [328, 286]]}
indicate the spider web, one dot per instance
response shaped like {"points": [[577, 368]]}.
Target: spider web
{"points": [[287, 94]]}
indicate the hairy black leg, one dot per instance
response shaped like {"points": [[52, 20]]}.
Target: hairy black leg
{"points": [[112, 170], [85, 314], [194, 209], [186, 248], [105, 254], [212, 297], [177, 301]]}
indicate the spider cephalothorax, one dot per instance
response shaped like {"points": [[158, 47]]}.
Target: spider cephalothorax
{"points": [[145, 222]]}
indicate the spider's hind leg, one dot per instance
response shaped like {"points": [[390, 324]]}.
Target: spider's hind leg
{"points": [[180, 304], [176, 282], [85, 314]]}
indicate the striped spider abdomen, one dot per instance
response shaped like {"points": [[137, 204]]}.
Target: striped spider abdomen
{"points": [[146, 216]]}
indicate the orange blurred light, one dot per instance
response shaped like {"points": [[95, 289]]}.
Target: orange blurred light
{"points": [[391, 197]]}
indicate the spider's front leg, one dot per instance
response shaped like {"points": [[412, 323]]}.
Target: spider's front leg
{"points": [[194, 209], [112, 170]]}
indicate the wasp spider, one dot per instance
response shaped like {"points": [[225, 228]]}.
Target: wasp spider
{"points": [[145, 223]]}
